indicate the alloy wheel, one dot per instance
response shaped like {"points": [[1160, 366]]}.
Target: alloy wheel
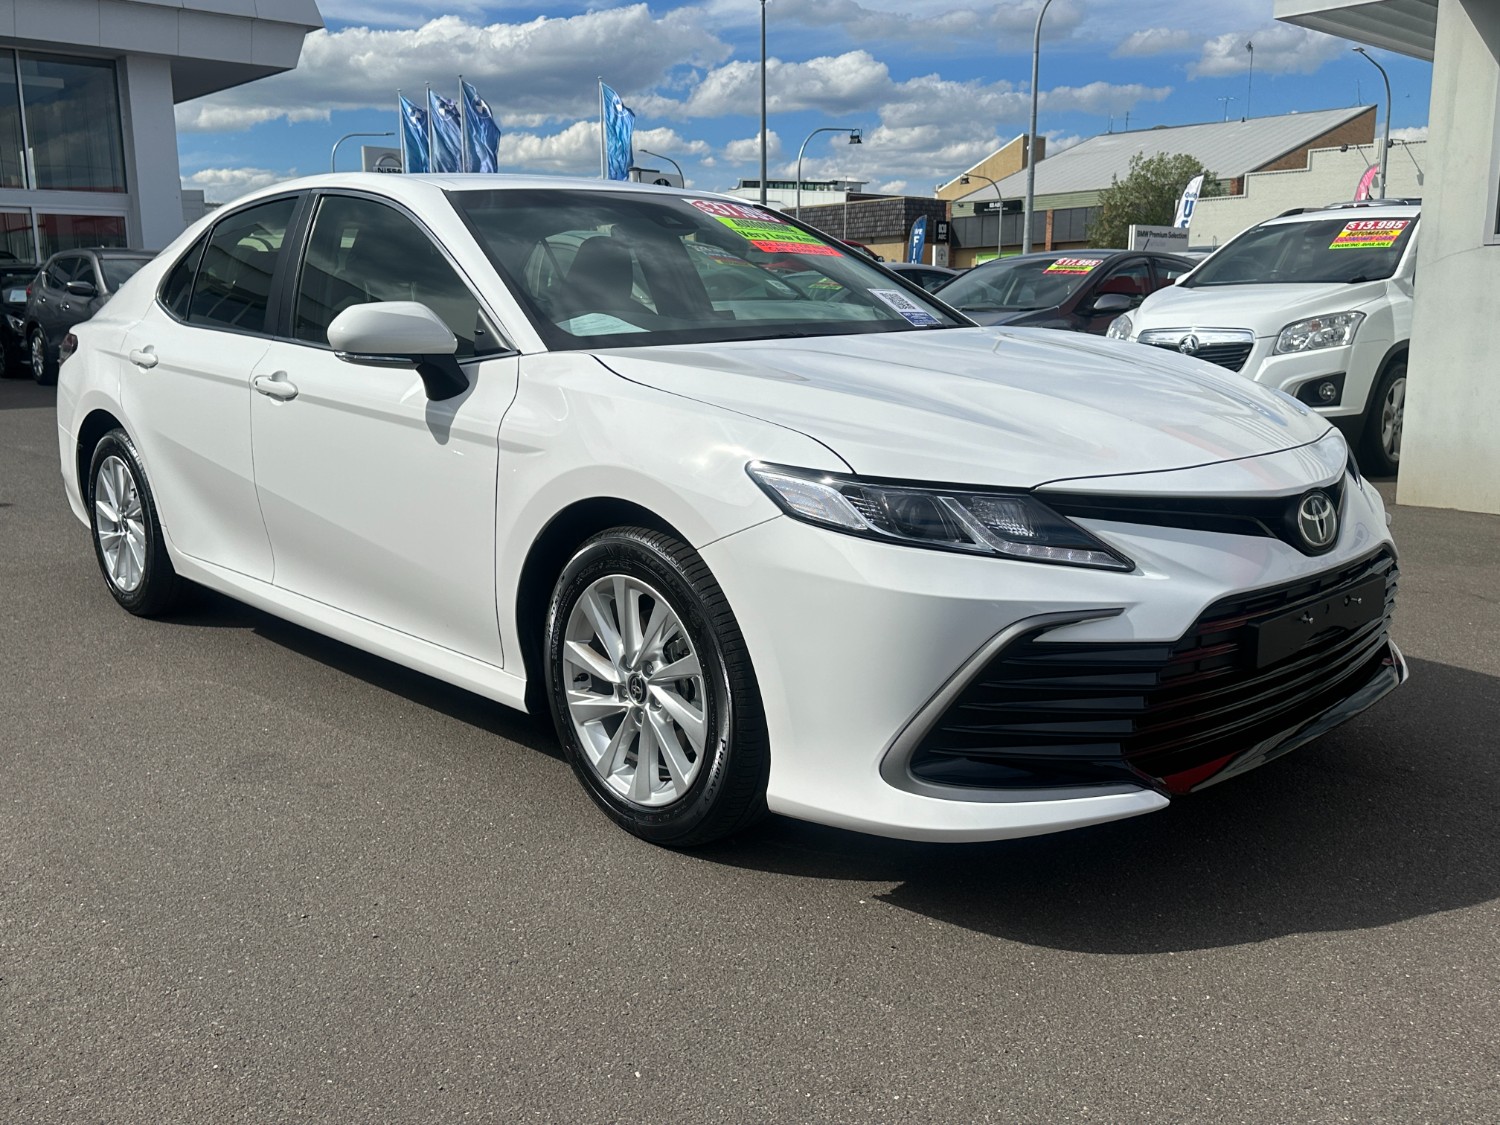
{"points": [[38, 356], [1392, 415], [635, 691], [119, 519]]}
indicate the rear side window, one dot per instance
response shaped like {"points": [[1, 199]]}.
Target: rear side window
{"points": [[178, 285], [233, 285]]}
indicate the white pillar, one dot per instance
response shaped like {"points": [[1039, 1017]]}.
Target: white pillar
{"points": [[151, 169]]}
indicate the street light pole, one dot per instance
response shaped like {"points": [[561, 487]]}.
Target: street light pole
{"points": [[1036, 59], [335, 150], [853, 140], [1385, 147], [670, 161], [999, 209], [763, 103]]}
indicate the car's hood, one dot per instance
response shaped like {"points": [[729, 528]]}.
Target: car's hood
{"points": [[1264, 309], [1012, 407]]}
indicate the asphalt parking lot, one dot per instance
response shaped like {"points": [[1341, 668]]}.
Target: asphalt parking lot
{"points": [[249, 874]]}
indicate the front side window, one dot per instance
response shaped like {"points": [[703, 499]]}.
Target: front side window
{"points": [[625, 269], [233, 285], [1347, 249], [362, 251], [1168, 270], [117, 271], [60, 271], [72, 123], [1132, 280]]}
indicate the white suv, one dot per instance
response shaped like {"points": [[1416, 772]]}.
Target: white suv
{"points": [[1315, 303]]}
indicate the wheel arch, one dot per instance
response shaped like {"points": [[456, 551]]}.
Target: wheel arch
{"points": [[94, 426], [550, 551], [1396, 352]]}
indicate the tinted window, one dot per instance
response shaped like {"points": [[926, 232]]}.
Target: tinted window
{"points": [[178, 285], [1022, 283], [625, 269], [1349, 248], [1133, 279], [362, 251], [61, 270], [233, 287], [70, 232], [117, 271], [73, 123], [1168, 270]]}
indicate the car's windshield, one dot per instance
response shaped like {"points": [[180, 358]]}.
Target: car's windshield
{"points": [[1024, 283], [625, 269], [1328, 250], [117, 271]]}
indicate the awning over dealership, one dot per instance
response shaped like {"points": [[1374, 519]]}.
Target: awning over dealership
{"points": [[1408, 27]]}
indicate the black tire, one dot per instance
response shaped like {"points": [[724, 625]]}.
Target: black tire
{"points": [[43, 366], [728, 792], [159, 587], [1377, 457]]}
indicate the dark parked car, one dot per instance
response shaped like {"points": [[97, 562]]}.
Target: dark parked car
{"points": [[1076, 290], [71, 287], [15, 277], [930, 278]]}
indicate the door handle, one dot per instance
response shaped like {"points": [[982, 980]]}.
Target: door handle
{"points": [[143, 357], [275, 386]]}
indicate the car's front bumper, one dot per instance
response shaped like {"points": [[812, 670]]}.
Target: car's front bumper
{"points": [[859, 647]]}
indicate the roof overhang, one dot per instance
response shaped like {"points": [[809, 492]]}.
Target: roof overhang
{"points": [[1408, 27]]}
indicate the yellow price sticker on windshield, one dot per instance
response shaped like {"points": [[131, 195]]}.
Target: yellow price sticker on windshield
{"points": [[1074, 265], [1377, 234], [763, 229]]}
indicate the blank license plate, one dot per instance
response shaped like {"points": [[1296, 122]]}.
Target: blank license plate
{"points": [[1286, 634]]}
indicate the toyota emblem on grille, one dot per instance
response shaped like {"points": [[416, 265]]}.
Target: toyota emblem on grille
{"points": [[1317, 520], [1189, 345]]}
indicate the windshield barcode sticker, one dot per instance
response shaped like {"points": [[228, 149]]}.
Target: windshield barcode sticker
{"points": [[1074, 265], [1379, 234], [764, 230], [913, 312]]}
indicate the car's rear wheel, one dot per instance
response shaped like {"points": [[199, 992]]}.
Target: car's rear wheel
{"points": [[127, 534], [652, 691], [1382, 451], [43, 369]]}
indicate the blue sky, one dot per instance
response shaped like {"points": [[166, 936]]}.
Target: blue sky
{"points": [[934, 84]]}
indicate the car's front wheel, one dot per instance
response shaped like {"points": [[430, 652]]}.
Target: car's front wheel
{"points": [[1382, 452], [652, 691], [43, 370], [127, 534]]}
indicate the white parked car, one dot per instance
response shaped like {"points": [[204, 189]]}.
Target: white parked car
{"points": [[855, 560], [1315, 303]]}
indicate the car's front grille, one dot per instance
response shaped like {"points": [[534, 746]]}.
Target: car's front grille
{"points": [[1232, 356], [1057, 713]]}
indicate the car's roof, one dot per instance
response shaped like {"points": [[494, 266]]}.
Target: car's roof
{"points": [[1350, 212]]}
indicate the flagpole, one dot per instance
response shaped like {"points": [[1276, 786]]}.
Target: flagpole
{"points": [[463, 126], [401, 129], [603, 164]]}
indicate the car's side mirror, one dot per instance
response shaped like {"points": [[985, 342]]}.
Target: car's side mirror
{"points": [[401, 334], [84, 289], [1112, 303]]}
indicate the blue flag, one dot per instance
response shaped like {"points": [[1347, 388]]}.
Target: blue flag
{"points": [[619, 133], [918, 240], [481, 133], [413, 137], [447, 134]]}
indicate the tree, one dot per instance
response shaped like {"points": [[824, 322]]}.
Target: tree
{"points": [[1147, 195]]}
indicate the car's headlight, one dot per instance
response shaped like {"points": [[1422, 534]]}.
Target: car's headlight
{"points": [[1331, 331], [1121, 327], [1010, 524]]}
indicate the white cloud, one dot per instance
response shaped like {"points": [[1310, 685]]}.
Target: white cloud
{"points": [[893, 187], [1279, 49], [535, 72], [1155, 41], [1410, 133], [222, 185], [928, 23], [747, 150], [831, 84]]}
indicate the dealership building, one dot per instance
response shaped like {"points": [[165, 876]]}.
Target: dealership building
{"points": [[1450, 454], [88, 140]]}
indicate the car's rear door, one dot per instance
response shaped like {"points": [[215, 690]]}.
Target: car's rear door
{"points": [[186, 386], [380, 502]]}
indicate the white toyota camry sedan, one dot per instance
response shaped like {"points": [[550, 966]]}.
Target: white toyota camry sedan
{"points": [[761, 524]]}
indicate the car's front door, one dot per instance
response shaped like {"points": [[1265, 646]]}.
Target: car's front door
{"points": [[380, 502], [1129, 278], [53, 301], [187, 368]]}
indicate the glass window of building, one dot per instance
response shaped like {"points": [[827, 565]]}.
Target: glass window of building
{"points": [[15, 239], [12, 144], [69, 232], [72, 123]]}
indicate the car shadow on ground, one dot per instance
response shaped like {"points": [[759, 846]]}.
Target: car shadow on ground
{"points": [[1391, 817]]}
